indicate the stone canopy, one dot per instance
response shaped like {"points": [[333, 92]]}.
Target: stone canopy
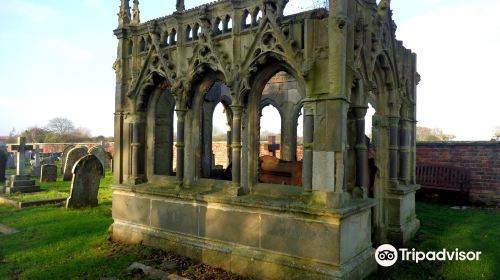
{"points": [[354, 190]]}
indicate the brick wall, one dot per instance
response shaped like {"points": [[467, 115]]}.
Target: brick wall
{"points": [[59, 147], [482, 158]]}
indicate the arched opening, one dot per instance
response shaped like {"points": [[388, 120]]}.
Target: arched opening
{"points": [[173, 37], [256, 16], [149, 43], [215, 120], [270, 131], [228, 24], [130, 47], [189, 33], [162, 132], [221, 137], [142, 45], [247, 19], [165, 38], [196, 31], [279, 106], [218, 27]]}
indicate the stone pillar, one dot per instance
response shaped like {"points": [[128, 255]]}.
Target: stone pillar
{"points": [[404, 150], [236, 144], [181, 116], [135, 145], [361, 149], [413, 149], [393, 151], [307, 158]]}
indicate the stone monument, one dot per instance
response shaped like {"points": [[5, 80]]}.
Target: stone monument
{"points": [[64, 155], [73, 156], [21, 182], [100, 153], [36, 164], [48, 173], [342, 60], [87, 173]]}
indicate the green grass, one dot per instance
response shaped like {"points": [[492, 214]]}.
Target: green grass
{"points": [[58, 243], [446, 228]]}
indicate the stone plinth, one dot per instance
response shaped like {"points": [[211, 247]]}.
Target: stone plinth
{"points": [[22, 184], [259, 237]]}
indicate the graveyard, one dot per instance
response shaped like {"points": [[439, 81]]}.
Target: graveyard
{"points": [[251, 140]]}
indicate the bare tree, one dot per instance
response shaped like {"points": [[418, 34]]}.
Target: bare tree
{"points": [[61, 126], [433, 134]]}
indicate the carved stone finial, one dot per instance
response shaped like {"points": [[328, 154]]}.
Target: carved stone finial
{"points": [[135, 11], [180, 5], [124, 13]]}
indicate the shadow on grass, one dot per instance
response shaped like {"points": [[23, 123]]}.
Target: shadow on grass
{"points": [[445, 228]]}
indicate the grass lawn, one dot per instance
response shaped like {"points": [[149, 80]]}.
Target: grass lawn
{"points": [[446, 228], [58, 243]]}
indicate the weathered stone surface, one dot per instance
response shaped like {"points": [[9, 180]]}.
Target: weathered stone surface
{"points": [[72, 157], [64, 156], [87, 173], [312, 63], [100, 153], [49, 173], [20, 182]]}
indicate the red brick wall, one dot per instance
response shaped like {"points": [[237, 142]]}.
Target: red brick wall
{"points": [[482, 158], [59, 147]]}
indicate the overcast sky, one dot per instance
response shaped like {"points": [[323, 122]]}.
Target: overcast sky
{"points": [[56, 58]]}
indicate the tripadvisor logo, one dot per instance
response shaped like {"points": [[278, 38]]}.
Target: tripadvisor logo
{"points": [[386, 255]]}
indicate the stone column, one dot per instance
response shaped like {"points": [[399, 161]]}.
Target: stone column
{"points": [[404, 150], [393, 151], [181, 116], [236, 144], [135, 145], [307, 157], [361, 149]]}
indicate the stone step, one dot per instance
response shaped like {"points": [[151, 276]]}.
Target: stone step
{"points": [[22, 189], [23, 183]]}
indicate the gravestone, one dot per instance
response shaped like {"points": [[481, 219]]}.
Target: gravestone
{"points": [[100, 153], [35, 163], [48, 173], [87, 173], [21, 182], [64, 155], [47, 160], [11, 163], [272, 147], [3, 163], [73, 156]]}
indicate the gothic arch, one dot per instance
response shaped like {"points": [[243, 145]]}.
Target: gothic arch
{"points": [[263, 68]]}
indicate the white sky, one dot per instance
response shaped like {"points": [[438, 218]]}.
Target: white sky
{"points": [[56, 58]]}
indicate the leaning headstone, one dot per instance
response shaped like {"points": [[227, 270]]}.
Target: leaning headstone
{"points": [[21, 182], [49, 173], [100, 153], [64, 155], [3, 163], [73, 156], [87, 174]]}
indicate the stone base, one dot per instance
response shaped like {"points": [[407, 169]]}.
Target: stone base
{"points": [[403, 223], [263, 238], [21, 184]]}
